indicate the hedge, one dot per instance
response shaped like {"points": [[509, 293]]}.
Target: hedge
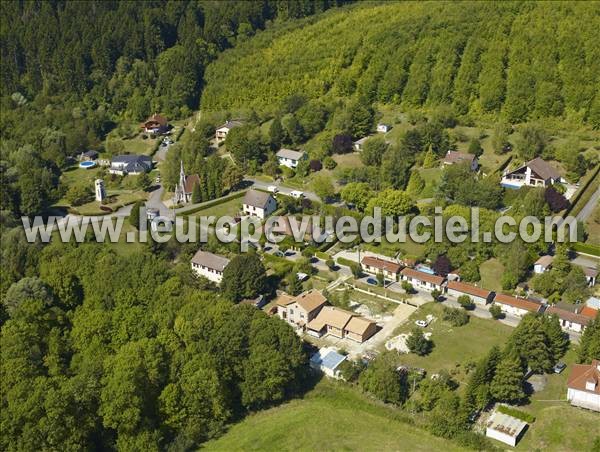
{"points": [[516, 413], [583, 194], [586, 248], [322, 255]]}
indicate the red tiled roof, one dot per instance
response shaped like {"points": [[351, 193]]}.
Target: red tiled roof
{"points": [[589, 312], [469, 289], [520, 303], [422, 276], [572, 317], [381, 264], [583, 373]]}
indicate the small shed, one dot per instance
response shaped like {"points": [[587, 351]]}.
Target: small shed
{"points": [[327, 360], [505, 428]]}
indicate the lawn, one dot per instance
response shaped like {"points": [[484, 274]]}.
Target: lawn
{"points": [[551, 431], [491, 271], [138, 145], [408, 248], [454, 346], [432, 177], [330, 417], [231, 208], [351, 160]]}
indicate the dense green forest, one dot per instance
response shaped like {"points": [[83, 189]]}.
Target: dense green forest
{"points": [[524, 60]]}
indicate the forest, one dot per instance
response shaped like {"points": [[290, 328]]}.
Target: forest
{"points": [[518, 60]]}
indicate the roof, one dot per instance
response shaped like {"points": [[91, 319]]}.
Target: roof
{"points": [[284, 300], [210, 260], [310, 300], [231, 124], [521, 303], [469, 289], [329, 315], [132, 159], [190, 181], [593, 303], [422, 276], [541, 168], [290, 154], [590, 272], [381, 264], [327, 358], [158, 119], [589, 312], [506, 424], [256, 198], [458, 157], [582, 373], [358, 325], [572, 317], [545, 261], [361, 141], [89, 153]]}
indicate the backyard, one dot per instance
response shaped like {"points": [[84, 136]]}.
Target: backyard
{"points": [[490, 272]]}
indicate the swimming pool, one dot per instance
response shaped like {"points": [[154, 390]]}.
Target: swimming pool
{"points": [[87, 164]]}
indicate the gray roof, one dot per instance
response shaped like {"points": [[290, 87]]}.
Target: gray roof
{"points": [[210, 260], [132, 158], [231, 124], [541, 168], [362, 140], [256, 198], [290, 154]]}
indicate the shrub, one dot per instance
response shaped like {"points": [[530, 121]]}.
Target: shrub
{"points": [[417, 343], [455, 317], [330, 263], [466, 302], [516, 413], [329, 163], [496, 312], [435, 294], [408, 287], [315, 165]]}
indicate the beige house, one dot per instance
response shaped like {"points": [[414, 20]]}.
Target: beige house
{"points": [[341, 324], [422, 280], [374, 265], [223, 130], [209, 265], [516, 306], [584, 386], [454, 157], [543, 264], [300, 310], [258, 204], [570, 317]]}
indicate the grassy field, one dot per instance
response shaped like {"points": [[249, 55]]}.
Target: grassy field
{"points": [[138, 145], [330, 417], [454, 346], [592, 226], [551, 430], [348, 160], [231, 208], [408, 248], [491, 271]]}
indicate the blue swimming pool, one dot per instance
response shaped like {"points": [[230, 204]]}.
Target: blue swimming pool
{"points": [[87, 164]]}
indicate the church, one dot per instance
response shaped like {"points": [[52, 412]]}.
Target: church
{"points": [[183, 190]]}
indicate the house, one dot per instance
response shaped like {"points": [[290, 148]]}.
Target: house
{"points": [[300, 310], [156, 124], [88, 156], [591, 308], [185, 187], [516, 306], [223, 130], [130, 164], [374, 265], [505, 428], [328, 361], [258, 204], [341, 324], [570, 317], [543, 264], [454, 157], [290, 158], [209, 265], [477, 294], [535, 173], [358, 145], [383, 128], [422, 280], [584, 386], [590, 275]]}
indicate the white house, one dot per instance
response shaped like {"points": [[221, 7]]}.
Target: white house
{"points": [[223, 130], [584, 386], [209, 265], [543, 264], [505, 428], [258, 204], [358, 144], [535, 173], [422, 280], [327, 360], [570, 317], [130, 164], [477, 294], [516, 306], [290, 158], [590, 275], [383, 128], [453, 157]]}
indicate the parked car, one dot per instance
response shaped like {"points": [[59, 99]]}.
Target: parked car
{"points": [[422, 323], [372, 281], [559, 367], [272, 189], [297, 194]]}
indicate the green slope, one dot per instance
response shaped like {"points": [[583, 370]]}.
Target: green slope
{"points": [[527, 60], [331, 417]]}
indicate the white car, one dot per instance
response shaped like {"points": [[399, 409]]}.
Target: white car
{"points": [[297, 194], [422, 323], [272, 189]]}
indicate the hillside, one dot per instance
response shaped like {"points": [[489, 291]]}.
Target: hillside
{"points": [[526, 60], [331, 417]]}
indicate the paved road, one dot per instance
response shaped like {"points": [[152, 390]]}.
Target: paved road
{"points": [[282, 188], [589, 206]]}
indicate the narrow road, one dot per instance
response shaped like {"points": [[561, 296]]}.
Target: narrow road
{"points": [[282, 188], [589, 206]]}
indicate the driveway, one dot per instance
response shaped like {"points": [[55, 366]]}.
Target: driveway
{"points": [[282, 188]]}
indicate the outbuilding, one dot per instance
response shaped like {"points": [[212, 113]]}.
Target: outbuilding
{"points": [[477, 294], [505, 428]]}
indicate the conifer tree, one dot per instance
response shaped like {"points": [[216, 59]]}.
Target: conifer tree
{"points": [[507, 385]]}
